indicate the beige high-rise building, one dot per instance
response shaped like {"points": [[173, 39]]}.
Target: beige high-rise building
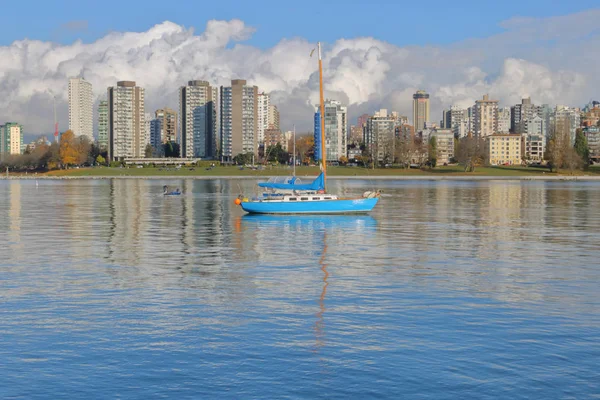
{"points": [[273, 121], [81, 104], [126, 121], [199, 112], [420, 110], [239, 119], [485, 117], [168, 124]]}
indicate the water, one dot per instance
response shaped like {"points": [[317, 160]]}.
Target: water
{"points": [[447, 290]]}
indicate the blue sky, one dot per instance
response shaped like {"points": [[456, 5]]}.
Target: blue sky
{"points": [[398, 22]]}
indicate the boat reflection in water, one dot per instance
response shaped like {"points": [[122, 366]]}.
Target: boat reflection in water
{"points": [[305, 238]]}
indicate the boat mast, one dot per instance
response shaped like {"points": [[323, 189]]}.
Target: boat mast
{"points": [[322, 116], [294, 159]]}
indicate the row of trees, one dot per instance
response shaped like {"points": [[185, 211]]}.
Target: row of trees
{"points": [[70, 151]]}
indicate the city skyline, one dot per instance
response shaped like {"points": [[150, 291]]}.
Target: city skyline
{"points": [[365, 73]]}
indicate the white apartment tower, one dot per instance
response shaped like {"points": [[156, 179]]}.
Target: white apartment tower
{"points": [[336, 130], [127, 134], [81, 106], [264, 101], [199, 110]]}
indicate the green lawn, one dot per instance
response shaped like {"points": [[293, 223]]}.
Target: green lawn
{"points": [[310, 171]]}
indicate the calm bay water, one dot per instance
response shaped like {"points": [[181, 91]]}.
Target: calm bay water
{"points": [[447, 290]]}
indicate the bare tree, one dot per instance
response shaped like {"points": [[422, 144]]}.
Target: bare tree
{"points": [[471, 152]]}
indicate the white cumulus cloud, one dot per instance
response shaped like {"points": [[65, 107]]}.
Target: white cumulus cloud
{"points": [[548, 59]]}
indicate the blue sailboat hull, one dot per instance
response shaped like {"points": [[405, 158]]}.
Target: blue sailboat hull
{"points": [[342, 206]]}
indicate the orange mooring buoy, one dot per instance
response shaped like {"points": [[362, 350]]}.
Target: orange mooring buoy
{"points": [[238, 202]]}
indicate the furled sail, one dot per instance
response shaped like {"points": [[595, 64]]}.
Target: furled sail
{"points": [[317, 184]]}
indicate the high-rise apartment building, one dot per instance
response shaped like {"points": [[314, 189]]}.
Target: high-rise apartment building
{"points": [[504, 120], [420, 110], [11, 139], [168, 124], [485, 117], [380, 132], [199, 110], [336, 131], [566, 121], [521, 113], [81, 108], [273, 117], [264, 101], [155, 135], [126, 121], [103, 125], [239, 119], [457, 119]]}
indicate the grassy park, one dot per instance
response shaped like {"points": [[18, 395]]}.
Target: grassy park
{"points": [[228, 171]]}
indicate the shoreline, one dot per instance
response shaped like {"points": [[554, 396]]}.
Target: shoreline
{"points": [[358, 178]]}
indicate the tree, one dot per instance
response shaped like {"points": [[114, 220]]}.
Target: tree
{"points": [[148, 151], [83, 149], [582, 148], [403, 151], [243, 158], [53, 160], [68, 152], [471, 152], [305, 148], [277, 154], [432, 150], [100, 160], [343, 160]]}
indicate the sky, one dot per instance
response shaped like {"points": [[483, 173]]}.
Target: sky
{"points": [[376, 53]]}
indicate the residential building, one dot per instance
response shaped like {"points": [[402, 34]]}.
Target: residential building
{"points": [[11, 139], [264, 101], [336, 131], [239, 119], [168, 124], [504, 120], [126, 121], [420, 110], [405, 132], [273, 119], [199, 110], [103, 125], [591, 114], [566, 121], [156, 135], [444, 140], [356, 134], [504, 149], [81, 108], [533, 146], [457, 119], [362, 120], [592, 133], [485, 117], [380, 131], [522, 112], [274, 136]]}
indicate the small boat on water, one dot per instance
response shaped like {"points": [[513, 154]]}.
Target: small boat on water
{"points": [[293, 197], [167, 192]]}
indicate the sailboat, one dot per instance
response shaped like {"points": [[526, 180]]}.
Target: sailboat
{"points": [[293, 197]]}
